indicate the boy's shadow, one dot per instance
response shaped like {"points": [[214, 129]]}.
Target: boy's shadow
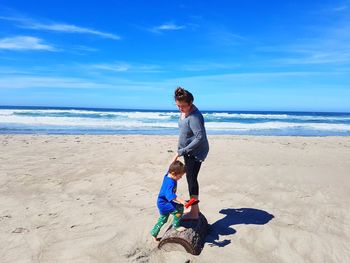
{"points": [[222, 227]]}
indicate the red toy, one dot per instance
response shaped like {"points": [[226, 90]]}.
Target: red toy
{"points": [[192, 201]]}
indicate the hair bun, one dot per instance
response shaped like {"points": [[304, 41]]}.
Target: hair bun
{"points": [[179, 91], [183, 95]]}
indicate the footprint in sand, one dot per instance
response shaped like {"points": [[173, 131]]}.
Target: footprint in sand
{"points": [[19, 230], [53, 214], [5, 217], [139, 254]]}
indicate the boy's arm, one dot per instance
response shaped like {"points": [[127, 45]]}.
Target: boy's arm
{"points": [[180, 200]]}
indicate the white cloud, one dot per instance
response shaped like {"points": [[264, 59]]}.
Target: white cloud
{"points": [[118, 67], [208, 65], [59, 27], [222, 36], [18, 81], [70, 29], [124, 67], [340, 8], [46, 82], [85, 48], [167, 27], [329, 45], [24, 43], [170, 26], [315, 52], [319, 57]]}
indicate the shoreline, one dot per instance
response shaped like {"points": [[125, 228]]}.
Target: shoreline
{"points": [[164, 110], [174, 135]]}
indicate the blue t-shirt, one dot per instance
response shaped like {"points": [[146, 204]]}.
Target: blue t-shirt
{"points": [[167, 193]]}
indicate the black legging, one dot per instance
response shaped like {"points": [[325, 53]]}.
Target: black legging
{"points": [[192, 170]]}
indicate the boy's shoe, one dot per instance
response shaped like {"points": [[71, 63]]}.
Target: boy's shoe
{"points": [[156, 239]]}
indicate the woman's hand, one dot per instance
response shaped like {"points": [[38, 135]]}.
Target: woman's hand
{"points": [[175, 158], [181, 201]]}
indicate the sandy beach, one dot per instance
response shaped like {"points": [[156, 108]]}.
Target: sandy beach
{"points": [[92, 198]]}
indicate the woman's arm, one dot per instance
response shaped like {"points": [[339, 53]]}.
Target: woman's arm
{"points": [[197, 127], [175, 158]]}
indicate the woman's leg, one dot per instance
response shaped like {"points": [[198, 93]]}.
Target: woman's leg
{"points": [[192, 169]]}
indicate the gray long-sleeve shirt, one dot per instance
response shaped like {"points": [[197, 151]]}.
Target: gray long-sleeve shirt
{"points": [[193, 138]]}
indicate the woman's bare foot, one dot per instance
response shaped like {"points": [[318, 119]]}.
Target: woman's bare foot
{"points": [[187, 210], [193, 214]]}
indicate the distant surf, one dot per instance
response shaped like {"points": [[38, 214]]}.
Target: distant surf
{"points": [[51, 120]]}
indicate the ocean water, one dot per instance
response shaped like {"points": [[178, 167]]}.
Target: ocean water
{"points": [[47, 120]]}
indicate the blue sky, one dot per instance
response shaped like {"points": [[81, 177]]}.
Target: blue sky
{"points": [[232, 55]]}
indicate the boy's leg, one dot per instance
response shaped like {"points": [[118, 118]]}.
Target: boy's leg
{"points": [[177, 215], [161, 221]]}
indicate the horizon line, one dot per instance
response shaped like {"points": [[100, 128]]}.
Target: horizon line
{"points": [[149, 109]]}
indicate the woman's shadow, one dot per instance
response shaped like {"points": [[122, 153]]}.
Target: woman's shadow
{"points": [[222, 227]]}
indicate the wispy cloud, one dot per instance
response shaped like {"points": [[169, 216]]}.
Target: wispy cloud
{"points": [[340, 8], [311, 52], [19, 81], [12, 71], [24, 43], [116, 67], [208, 66], [85, 48], [170, 26], [33, 81], [319, 57], [331, 9], [253, 76], [70, 29], [58, 27], [125, 67], [329, 45], [225, 37]]}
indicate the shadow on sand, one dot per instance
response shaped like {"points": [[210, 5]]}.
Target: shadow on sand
{"points": [[234, 216]]}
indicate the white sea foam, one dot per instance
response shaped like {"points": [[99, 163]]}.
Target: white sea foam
{"points": [[154, 115], [81, 122], [229, 126], [228, 115], [139, 123], [146, 115], [126, 114], [216, 122]]}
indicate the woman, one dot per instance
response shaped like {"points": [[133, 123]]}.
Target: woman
{"points": [[193, 143]]}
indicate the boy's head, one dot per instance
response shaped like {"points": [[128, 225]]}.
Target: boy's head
{"points": [[177, 170]]}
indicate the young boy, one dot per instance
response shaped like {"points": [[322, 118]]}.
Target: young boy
{"points": [[168, 202]]}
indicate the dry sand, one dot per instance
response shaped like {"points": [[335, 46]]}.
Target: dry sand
{"points": [[92, 198]]}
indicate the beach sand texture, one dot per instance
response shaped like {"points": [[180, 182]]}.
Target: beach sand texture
{"points": [[92, 198]]}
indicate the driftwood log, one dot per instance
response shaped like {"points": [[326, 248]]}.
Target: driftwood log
{"points": [[191, 239]]}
